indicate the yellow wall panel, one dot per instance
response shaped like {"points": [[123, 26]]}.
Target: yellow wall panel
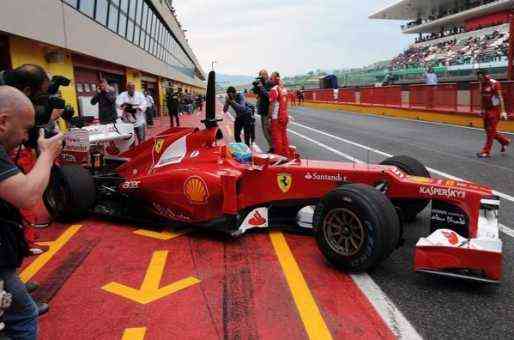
{"points": [[25, 51]]}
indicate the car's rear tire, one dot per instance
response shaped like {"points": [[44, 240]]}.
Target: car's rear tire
{"points": [[70, 193], [410, 208], [356, 227]]}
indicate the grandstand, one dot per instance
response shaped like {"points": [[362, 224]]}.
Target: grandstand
{"points": [[454, 37]]}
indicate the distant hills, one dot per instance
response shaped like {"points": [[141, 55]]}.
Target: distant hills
{"points": [[233, 80]]}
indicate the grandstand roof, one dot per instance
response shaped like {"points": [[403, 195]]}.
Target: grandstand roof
{"points": [[415, 9]]}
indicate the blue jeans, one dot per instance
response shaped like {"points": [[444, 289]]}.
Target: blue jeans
{"points": [[21, 318]]}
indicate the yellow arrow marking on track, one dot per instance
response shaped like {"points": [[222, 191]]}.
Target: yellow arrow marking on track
{"points": [[149, 290], [163, 235], [43, 259], [134, 333]]}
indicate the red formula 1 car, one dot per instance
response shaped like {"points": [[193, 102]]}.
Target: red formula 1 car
{"points": [[356, 211]]}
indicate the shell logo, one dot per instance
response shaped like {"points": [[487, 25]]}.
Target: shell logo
{"points": [[195, 190]]}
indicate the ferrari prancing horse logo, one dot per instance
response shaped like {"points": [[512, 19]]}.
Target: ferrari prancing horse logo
{"points": [[158, 145], [284, 182]]}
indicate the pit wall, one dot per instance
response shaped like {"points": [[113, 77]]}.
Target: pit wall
{"points": [[446, 103]]}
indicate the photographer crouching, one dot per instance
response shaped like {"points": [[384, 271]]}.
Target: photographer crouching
{"points": [[20, 191], [244, 119]]}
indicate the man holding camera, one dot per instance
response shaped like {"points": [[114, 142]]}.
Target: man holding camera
{"points": [[18, 191], [261, 88], [106, 100], [133, 106], [243, 115]]}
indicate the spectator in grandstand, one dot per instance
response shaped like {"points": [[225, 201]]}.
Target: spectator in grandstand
{"points": [[279, 116], [106, 100], [17, 191], [243, 122], [493, 109], [150, 107], [261, 90], [132, 105], [431, 77], [173, 99]]}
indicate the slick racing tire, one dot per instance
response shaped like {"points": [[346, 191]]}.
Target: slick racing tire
{"points": [[356, 227], [70, 193], [410, 208]]}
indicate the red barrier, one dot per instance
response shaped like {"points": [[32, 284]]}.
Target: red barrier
{"points": [[392, 96], [444, 97], [346, 95], [308, 95], [419, 96]]}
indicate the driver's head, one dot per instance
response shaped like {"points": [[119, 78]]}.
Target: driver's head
{"points": [[16, 117], [275, 78], [264, 74], [131, 88], [31, 79], [231, 92]]}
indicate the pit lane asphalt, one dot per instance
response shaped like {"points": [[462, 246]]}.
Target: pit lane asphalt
{"points": [[438, 307]]}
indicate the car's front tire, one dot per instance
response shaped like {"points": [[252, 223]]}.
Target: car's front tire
{"points": [[356, 227], [70, 194]]}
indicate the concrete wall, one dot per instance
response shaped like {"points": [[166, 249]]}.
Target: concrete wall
{"points": [[58, 24]]}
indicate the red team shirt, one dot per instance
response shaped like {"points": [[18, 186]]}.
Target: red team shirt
{"points": [[491, 91], [278, 94]]}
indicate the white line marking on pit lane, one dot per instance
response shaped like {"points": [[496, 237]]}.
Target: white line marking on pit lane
{"points": [[504, 228], [399, 325], [372, 115], [392, 316]]}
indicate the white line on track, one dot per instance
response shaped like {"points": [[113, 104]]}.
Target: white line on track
{"points": [[420, 121], [503, 228], [392, 316]]}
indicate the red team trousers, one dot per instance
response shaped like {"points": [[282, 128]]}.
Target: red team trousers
{"points": [[279, 137], [491, 119]]}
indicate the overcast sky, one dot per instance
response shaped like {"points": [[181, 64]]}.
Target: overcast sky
{"points": [[291, 36]]}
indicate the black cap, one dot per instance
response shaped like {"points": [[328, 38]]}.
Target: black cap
{"points": [[231, 89]]}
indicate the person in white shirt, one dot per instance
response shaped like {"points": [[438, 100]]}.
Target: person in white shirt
{"points": [[132, 106], [150, 109], [431, 77]]}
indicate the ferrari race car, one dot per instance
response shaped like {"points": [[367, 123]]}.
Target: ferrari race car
{"points": [[356, 211]]}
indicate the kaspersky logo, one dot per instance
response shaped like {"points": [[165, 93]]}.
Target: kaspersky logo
{"points": [[324, 177], [449, 193]]}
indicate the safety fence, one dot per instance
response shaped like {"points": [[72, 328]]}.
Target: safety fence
{"points": [[461, 98]]}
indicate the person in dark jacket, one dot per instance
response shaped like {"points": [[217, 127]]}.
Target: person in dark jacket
{"points": [[106, 100], [262, 92], [173, 99], [243, 115]]}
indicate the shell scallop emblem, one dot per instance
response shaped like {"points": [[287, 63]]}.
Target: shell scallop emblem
{"points": [[195, 190]]}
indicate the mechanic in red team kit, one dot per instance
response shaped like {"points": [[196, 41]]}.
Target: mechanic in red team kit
{"points": [[279, 117], [493, 109]]}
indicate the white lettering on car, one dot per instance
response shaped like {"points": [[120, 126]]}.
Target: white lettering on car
{"points": [[130, 184], [324, 177], [448, 193]]}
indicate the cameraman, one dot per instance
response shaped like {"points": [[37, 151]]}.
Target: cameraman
{"points": [[261, 88], [34, 82], [243, 115], [133, 107], [19, 191], [106, 99]]}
